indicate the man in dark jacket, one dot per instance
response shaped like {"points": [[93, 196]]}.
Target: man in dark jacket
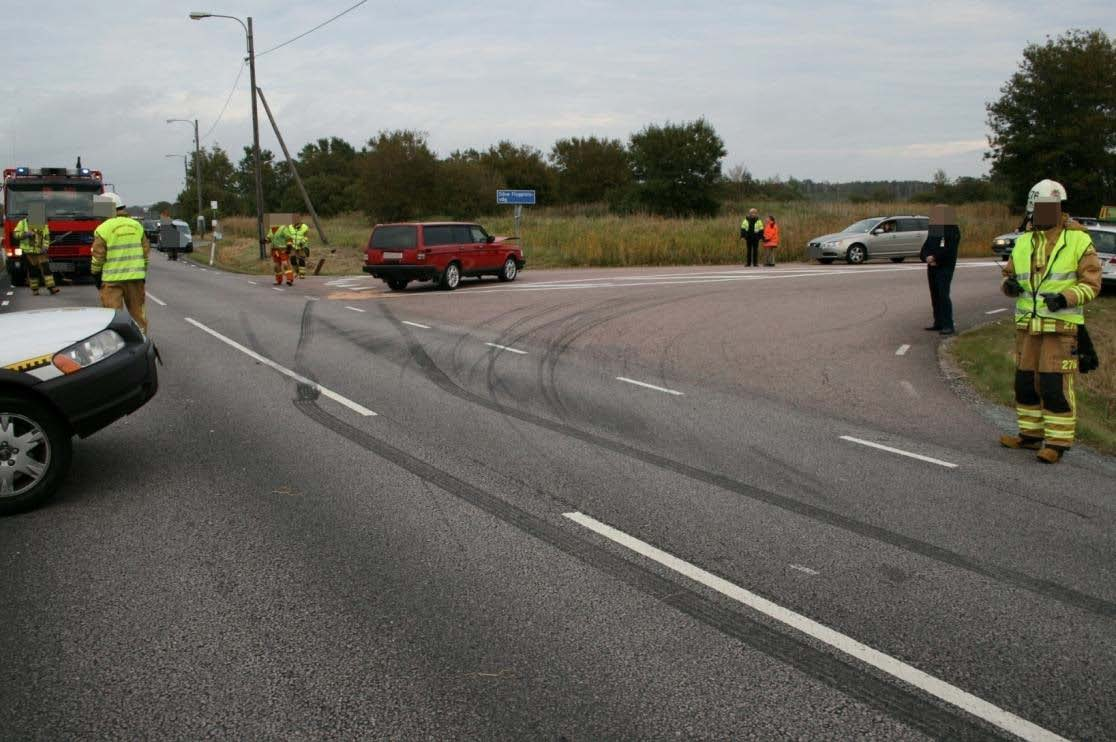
{"points": [[751, 231], [940, 254]]}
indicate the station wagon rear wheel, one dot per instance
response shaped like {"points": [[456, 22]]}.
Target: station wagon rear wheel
{"points": [[451, 277], [856, 254], [509, 271]]}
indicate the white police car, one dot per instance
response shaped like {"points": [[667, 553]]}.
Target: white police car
{"points": [[63, 372]]}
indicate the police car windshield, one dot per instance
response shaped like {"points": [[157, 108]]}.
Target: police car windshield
{"points": [[69, 204], [864, 225]]}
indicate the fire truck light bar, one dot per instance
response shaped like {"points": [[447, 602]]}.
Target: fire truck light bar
{"points": [[55, 171]]}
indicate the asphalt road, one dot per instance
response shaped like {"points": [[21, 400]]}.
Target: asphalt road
{"points": [[589, 504]]}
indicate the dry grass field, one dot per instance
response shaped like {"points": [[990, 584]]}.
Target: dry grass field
{"points": [[555, 238]]}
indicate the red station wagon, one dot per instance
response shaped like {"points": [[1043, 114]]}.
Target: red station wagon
{"points": [[442, 252]]}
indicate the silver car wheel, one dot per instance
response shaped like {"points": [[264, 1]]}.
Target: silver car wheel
{"points": [[510, 269], [856, 254], [24, 454]]}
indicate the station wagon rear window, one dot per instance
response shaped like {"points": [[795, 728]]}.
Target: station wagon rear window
{"points": [[395, 238], [438, 235]]}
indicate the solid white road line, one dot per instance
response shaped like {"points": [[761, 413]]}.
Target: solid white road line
{"points": [[160, 302], [416, 324], [357, 408], [510, 350], [354, 309], [996, 311], [644, 384], [902, 350], [899, 451], [936, 687]]}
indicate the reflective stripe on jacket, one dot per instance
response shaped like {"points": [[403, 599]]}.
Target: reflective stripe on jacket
{"points": [[1057, 276], [124, 258], [32, 240]]}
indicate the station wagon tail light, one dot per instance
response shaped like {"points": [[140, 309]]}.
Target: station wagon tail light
{"points": [[88, 352]]}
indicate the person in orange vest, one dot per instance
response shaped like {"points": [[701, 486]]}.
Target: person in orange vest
{"points": [[770, 240]]}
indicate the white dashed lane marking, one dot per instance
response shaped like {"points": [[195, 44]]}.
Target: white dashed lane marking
{"points": [[951, 694], [416, 324], [996, 311], [510, 350], [160, 302], [354, 309], [899, 451], [645, 385], [807, 570], [902, 350], [328, 393]]}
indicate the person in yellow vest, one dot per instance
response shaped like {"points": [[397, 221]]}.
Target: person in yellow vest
{"points": [[281, 245], [34, 241], [119, 266], [1052, 273], [299, 235], [751, 231]]}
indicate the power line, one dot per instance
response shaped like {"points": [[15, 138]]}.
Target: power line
{"points": [[315, 28], [223, 108]]}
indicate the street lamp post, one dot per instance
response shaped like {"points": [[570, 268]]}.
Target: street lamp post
{"points": [[197, 164], [185, 167], [197, 16]]}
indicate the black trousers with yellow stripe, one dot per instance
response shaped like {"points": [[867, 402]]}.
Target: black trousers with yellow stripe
{"points": [[1045, 403], [38, 266]]}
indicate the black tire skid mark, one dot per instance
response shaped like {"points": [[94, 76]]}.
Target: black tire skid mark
{"points": [[895, 700], [1036, 585]]}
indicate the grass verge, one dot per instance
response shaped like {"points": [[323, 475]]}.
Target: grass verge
{"points": [[588, 236], [987, 355]]}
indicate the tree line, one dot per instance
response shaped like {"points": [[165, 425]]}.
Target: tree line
{"points": [[671, 169]]}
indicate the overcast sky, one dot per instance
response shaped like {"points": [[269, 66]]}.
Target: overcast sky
{"points": [[828, 91]]}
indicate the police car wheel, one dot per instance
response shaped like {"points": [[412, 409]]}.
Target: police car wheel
{"points": [[35, 450]]}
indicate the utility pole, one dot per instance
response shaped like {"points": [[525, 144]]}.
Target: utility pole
{"points": [[294, 170], [256, 144], [198, 171]]}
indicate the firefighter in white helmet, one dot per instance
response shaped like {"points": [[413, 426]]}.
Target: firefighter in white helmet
{"points": [[1052, 273], [120, 254]]}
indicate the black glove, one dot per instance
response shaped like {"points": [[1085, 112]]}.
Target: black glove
{"points": [[1012, 287], [97, 279], [1087, 359], [1054, 302]]}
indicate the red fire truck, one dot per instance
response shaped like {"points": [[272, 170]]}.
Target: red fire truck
{"points": [[67, 195]]}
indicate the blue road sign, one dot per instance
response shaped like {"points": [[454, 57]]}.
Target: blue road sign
{"points": [[519, 198]]}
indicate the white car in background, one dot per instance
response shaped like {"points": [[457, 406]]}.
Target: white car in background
{"points": [[1104, 240], [63, 372]]}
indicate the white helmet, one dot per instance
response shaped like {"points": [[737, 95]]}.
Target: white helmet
{"points": [[1045, 189], [116, 200]]}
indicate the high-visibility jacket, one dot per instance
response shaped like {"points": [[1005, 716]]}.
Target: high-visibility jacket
{"points": [[771, 235], [1042, 269], [299, 234], [755, 228], [280, 237], [124, 256], [32, 240]]}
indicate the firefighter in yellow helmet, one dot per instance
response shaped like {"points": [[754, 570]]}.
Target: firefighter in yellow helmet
{"points": [[34, 241], [1052, 273], [120, 255]]}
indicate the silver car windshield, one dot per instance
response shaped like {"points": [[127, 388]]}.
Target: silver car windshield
{"points": [[864, 225]]}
